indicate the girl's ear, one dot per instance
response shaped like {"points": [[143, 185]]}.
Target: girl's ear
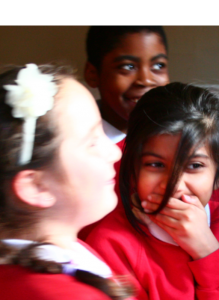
{"points": [[29, 187], [91, 75]]}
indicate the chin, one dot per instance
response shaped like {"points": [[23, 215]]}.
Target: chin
{"points": [[110, 205]]}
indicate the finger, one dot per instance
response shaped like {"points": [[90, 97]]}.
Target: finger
{"points": [[174, 214], [142, 217], [149, 207], [151, 203], [162, 220], [175, 203], [155, 198], [191, 199]]}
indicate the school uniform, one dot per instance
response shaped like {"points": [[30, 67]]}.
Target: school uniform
{"points": [[20, 283], [160, 269]]}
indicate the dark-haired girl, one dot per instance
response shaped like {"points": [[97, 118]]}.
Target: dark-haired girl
{"points": [[57, 175], [171, 153]]}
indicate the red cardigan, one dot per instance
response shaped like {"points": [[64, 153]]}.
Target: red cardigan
{"points": [[18, 283], [160, 271]]}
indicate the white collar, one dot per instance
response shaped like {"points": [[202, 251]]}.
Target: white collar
{"points": [[77, 258], [112, 132], [162, 235]]}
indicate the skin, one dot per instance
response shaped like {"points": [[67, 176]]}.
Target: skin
{"points": [[82, 185], [184, 217], [138, 64]]}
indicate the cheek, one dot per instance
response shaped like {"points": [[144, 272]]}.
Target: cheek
{"points": [[117, 84], [88, 174], [202, 188], [162, 80], [145, 186]]}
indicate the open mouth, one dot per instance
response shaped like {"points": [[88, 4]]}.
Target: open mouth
{"points": [[132, 99]]}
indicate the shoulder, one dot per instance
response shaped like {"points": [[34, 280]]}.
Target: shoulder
{"points": [[215, 195], [114, 234], [115, 224], [214, 209], [30, 285]]}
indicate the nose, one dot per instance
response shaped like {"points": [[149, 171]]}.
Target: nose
{"points": [[181, 187], [163, 183], [145, 77], [113, 152]]}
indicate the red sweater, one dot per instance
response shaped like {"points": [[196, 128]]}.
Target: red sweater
{"points": [[22, 284], [160, 271]]}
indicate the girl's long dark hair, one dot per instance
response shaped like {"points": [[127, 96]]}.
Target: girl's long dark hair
{"points": [[176, 108]]}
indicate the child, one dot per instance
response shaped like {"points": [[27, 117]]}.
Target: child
{"points": [[124, 62], [56, 168], [171, 152]]}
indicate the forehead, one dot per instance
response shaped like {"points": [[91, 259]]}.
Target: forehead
{"points": [[140, 44], [163, 144], [166, 145], [76, 109]]}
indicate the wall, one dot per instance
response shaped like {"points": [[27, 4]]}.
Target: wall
{"points": [[193, 53], [193, 50]]}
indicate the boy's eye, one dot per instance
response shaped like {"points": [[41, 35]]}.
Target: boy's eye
{"points": [[128, 67], [158, 66]]}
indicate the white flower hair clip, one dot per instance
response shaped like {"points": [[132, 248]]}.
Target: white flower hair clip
{"points": [[31, 98]]}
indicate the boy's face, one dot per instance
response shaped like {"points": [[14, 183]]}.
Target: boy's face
{"points": [[136, 65]]}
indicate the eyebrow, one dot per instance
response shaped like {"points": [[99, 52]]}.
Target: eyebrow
{"points": [[148, 153], [197, 155], [161, 55], [126, 57], [137, 59]]}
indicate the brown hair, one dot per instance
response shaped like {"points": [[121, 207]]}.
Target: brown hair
{"points": [[17, 217], [47, 139], [177, 108]]}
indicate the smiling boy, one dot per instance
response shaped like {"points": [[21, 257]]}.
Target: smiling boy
{"points": [[125, 62]]}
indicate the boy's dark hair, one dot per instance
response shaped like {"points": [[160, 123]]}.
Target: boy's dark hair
{"points": [[173, 109], [103, 39]]}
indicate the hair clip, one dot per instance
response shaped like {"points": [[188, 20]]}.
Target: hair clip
{"points": [[31, 98]]}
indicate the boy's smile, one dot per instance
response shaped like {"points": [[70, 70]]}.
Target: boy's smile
{"points": [[136, 65]]}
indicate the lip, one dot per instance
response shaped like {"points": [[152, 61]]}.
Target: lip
{"points": [[132, 99], [134, 96]]}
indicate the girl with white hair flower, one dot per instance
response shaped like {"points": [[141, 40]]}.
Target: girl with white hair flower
{"points": [[57, 176]]}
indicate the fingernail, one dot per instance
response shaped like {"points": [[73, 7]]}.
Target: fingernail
{"points": [[188, 198], [144, 204]]}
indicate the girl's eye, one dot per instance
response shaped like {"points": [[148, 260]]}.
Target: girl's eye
{"points": [[194, 166], [154, 165], [158, 66]]}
